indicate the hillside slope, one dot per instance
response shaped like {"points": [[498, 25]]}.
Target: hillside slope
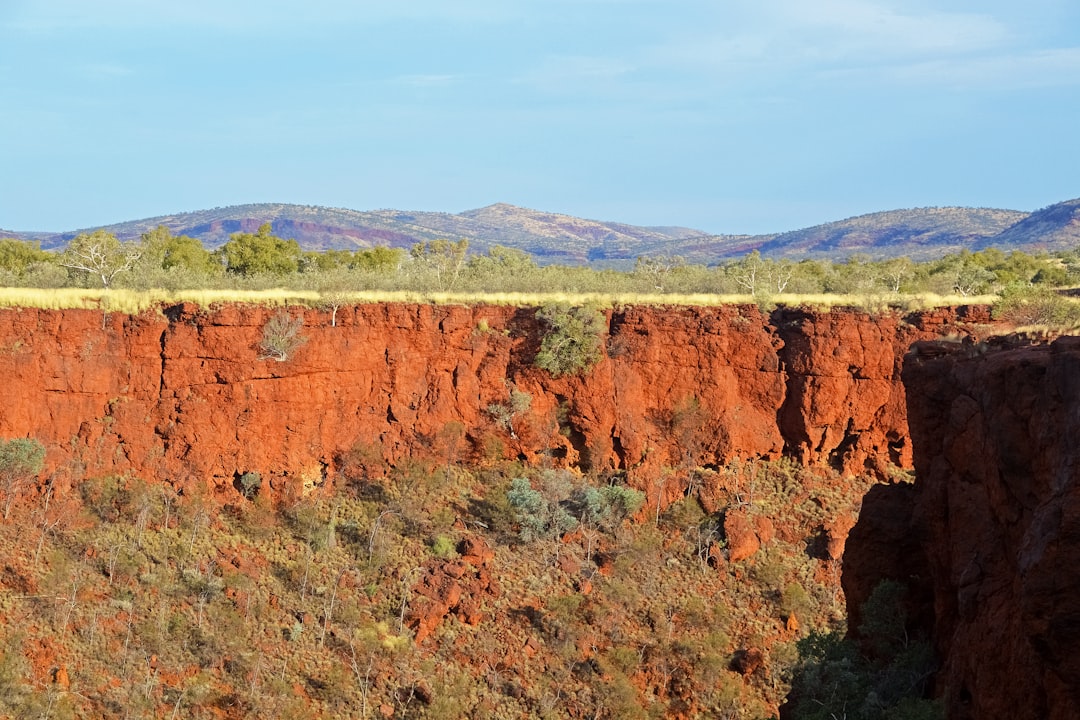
{"points": [[548, 236], [920, 233], [1056, 227]]}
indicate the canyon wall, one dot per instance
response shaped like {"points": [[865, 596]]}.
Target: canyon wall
{"points": [[182, 395], [988, 538]]}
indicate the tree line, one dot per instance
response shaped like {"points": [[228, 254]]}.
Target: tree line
{"points": [[257, 260]]}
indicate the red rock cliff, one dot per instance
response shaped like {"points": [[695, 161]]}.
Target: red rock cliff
{"points": [[989, 536], [183, 396]]}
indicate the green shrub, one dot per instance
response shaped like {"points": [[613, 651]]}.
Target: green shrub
{"points": [[540, 515], [795, 600], [504, 413], [572, 343], [834, 678], [1026, 304], [606, 507], [249, 483], [20, 460], [443, 546]]}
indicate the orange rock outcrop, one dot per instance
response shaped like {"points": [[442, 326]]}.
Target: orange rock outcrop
{"points": [[183, 396]]}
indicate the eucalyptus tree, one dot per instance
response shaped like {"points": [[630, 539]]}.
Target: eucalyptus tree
{"points": [[100, 255]]}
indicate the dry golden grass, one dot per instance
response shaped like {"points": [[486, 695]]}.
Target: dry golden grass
{"points": [[135, 301]]}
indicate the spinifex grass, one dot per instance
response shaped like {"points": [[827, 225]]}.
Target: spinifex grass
{"points": [[135, 301]]}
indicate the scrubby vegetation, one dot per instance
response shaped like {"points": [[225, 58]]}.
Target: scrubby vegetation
{"points": [[282, 337], [572, 339], [1025, 304], [431, 590], [886, 675], [173, 268]]}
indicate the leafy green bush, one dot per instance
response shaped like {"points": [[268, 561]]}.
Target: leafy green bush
{"points": [[443, 546], [562, 502], [261, 252], [540, 515], [572, 343], [1026, 304], [606, 507]]}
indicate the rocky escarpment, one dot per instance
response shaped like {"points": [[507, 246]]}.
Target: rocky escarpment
{"points": [[988, 539], [184, 396]]}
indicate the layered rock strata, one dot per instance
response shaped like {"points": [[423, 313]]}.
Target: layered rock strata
{"points": [[185, 395]]}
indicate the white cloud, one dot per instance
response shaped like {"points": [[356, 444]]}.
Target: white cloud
{"points": [[867, 27], [873, 40], [576, 72], [789, 32], [1036, 68]]}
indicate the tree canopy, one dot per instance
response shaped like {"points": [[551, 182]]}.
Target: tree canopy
{"points": [[167, 251], [17, 256], [100, 255], [260, 252]]}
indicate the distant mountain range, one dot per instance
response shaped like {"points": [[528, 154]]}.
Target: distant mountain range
{"points": [[920, 233]]}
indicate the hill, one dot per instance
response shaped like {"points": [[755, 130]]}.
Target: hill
{"points": [[1056, 227], [550, 237], [920, 233]]}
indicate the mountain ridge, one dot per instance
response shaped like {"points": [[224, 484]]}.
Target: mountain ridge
{"points": [[920, 233]]}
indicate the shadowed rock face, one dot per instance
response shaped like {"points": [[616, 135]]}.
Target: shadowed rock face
{"points": [[993, 541], [183, 395]]}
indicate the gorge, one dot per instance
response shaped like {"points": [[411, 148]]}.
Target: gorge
{"points": [[184, 399]]}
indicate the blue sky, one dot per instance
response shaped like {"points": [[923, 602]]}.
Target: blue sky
{"points": [[726, 115]]}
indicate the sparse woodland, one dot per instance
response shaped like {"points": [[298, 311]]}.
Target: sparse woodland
{"points": [[260, 261]]}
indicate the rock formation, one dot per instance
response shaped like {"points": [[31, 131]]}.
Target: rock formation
{"points": [[182, 395], [988, 538]]}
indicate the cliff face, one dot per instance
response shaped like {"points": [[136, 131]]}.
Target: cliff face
{"points": [[182, 396], [989, 536]]}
